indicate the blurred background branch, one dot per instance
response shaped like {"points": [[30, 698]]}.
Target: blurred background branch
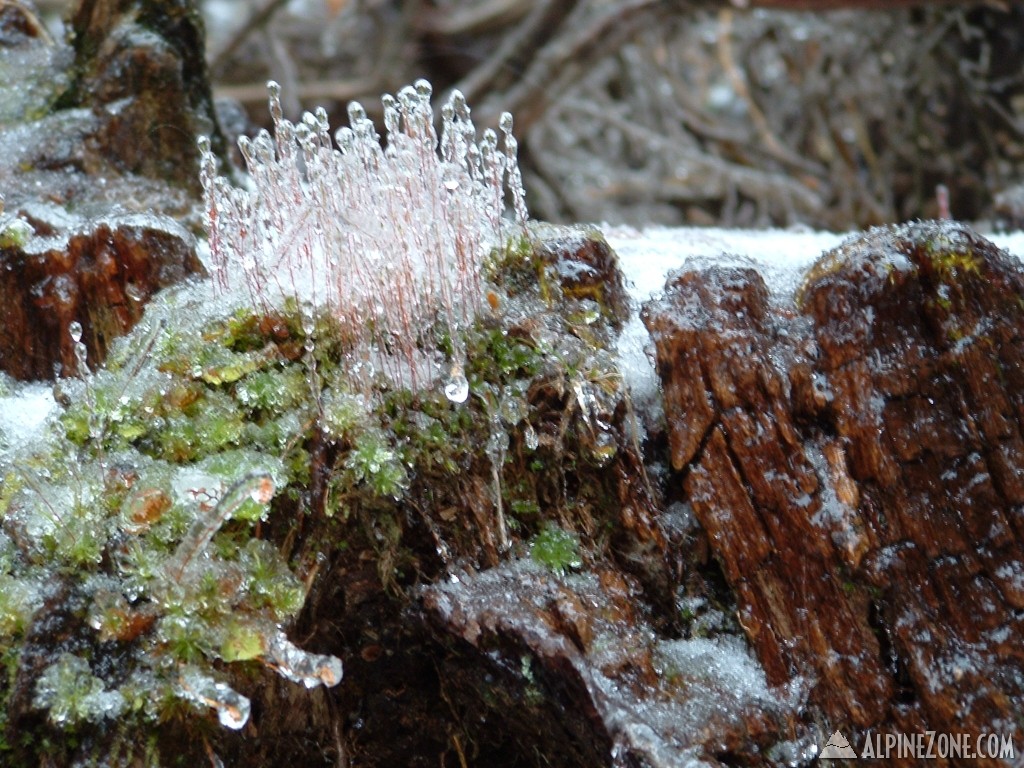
{"points": [[675, 111]]}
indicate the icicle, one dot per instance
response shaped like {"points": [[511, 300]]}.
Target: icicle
{"points": [[497, 445], [232, 707], [530, 436], [207, 165], [391, 114], [456, 389], [295, 664], [515, 177], [81, 353], [248, 154], [258, 486], [274, 100]]}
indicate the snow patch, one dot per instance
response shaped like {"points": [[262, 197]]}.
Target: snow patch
{"points": [[24, 410], [646, 258]]}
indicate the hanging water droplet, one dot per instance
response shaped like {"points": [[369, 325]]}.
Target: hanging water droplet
{"points": [[75, 329], [232, 708], [233, 716], [456, 389], [505, 122], [263, 490]]}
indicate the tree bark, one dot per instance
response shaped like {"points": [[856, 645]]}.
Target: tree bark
{"points": [[858, 471]]}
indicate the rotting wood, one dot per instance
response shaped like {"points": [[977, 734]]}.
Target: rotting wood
{"points": [[859, 477]]}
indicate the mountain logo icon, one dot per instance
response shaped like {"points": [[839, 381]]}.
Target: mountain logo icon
{"points": [[837, 748]]}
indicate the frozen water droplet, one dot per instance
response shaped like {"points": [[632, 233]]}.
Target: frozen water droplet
{"points": [[75, 329], [424, 89], [458, 103], [263, 490], [203, 143], [321, 119], [505, 122], [356, 113], [232, 707], [264, 146], [135, 293], [295, 664], [346, 139], [391, 116], [245, 147], [232, 716], [407, 98], [530, 437], [456, 388]]}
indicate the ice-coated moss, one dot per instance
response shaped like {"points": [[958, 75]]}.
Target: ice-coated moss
{"points": [[163, 522]]}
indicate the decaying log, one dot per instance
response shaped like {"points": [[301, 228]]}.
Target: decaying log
{"points": [[859, 471], [577, 672]]}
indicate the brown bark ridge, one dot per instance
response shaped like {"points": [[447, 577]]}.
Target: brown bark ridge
{"points": [[858, 467], [100, 275]]}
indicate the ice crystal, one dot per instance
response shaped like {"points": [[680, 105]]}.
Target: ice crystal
{"points": [[389, 239], [258, 486], [295, 664], [232, 708], [71, 693]]}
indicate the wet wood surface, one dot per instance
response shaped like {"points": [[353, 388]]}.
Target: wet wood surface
{"points": [[857, 469]]}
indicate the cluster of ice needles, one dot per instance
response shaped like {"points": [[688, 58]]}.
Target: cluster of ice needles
{"points": [[389, 239]]}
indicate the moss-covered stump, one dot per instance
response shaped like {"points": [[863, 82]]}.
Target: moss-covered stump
{"points": [[857, 467], [147, 578]]}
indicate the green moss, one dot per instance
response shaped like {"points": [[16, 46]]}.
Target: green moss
{"points": [[15, 233], [950, 259], [241, 641], [373, 462], [556, 549], [155, 441]]}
